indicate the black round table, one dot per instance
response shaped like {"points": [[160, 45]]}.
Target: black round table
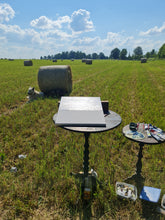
{"points": [[112, 120], [145, 140], [139, 179]]}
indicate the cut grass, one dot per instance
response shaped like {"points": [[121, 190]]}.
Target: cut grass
{"points": [[43, 188]]}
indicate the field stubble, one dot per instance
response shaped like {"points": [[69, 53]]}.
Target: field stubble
{"points": [[43, 188]]}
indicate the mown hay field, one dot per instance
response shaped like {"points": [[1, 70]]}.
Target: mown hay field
{"points": [[42, 187]]}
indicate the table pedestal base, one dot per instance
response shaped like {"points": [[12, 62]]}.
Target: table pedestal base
{"points": [[88, 184], [88, 179]]}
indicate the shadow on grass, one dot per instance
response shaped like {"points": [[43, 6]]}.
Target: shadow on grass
{"points": [[149, 211]]}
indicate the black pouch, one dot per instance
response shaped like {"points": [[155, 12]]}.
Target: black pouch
{"points": [[133, 126]]}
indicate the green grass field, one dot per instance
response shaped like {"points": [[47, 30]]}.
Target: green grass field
{"points": [[42, 188]]}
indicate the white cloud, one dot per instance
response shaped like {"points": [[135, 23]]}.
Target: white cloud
{"points": [[118, 39], [45, 23], [11, 29], [59, 35], [80, 21], [63, 20], [153, 31], [42, 22], [6, 12], [112, 40], [17, 36]]}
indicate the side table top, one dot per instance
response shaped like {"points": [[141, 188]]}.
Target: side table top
{"points": [[145, 140], [112, 121]]}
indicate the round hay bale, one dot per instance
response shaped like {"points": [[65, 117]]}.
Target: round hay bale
{"points": [[143, 60], [28, 63], [88, 61], [55, 60], [83, 60], [55, 79]]}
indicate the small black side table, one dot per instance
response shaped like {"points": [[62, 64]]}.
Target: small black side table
{"points": [[112, 121], [139, 179]]}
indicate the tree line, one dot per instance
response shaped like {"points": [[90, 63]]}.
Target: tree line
{"points": [[116, 53]]}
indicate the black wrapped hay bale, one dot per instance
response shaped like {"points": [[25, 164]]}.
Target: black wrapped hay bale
{"points": [[28, 63], [88, 61], [83, 60], [143, 60], [55, 79]]}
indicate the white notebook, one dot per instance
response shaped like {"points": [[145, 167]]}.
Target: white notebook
{"points": [[80, 112]]}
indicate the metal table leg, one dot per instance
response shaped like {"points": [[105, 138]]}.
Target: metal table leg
{"points": [[139, 162], [86, 155], [137, 178]]}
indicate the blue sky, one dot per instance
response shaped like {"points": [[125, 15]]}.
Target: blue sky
{"points": [[34, 28]]}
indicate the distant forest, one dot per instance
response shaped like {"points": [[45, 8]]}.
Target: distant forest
{"points": [[115, 54]]}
